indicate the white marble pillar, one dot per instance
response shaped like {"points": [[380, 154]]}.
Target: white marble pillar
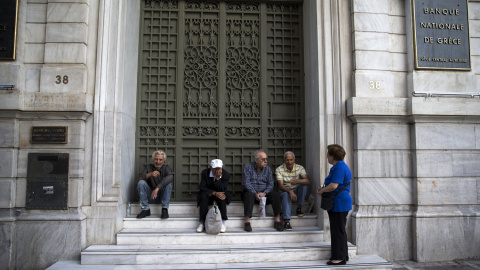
{"points": [[379, 109], [114, 119]]}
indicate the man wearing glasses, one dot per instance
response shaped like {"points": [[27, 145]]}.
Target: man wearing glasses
{"points": [[257, 181]]}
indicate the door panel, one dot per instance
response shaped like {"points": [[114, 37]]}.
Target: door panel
{"points": [[219, 80]]}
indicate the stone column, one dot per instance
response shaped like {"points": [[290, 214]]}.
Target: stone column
{"points": [[382, 220], [327, 86], [113, 126]]}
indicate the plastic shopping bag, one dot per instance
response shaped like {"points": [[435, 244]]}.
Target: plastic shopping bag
{"points": [[261, 207]]}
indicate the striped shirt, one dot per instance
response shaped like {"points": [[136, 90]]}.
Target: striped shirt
{"points": [[284, 174]]}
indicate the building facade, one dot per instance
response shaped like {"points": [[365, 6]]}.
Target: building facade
{"points": [[79, 64]]}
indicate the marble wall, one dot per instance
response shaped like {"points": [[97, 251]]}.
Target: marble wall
{"points": [[416, 158], [53, 40]]}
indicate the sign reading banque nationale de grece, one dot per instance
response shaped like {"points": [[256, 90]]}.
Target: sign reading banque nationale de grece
{"points": [[442, 39]]}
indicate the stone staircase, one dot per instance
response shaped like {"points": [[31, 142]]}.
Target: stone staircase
{"points": [[173, 243]]}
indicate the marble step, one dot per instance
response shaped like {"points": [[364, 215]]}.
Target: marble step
{"points": [[233, 236], [207, 254], [190, 208], [361, 262], [190, 222]]}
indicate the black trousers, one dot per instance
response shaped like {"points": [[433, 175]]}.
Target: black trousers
{"points": [[205, 200], [273, 198], [338, 234]]}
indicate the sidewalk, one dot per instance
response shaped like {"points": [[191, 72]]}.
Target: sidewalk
{"points": [[449, 265]]}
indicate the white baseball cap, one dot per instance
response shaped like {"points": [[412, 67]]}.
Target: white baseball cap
{"points": [[216, 163]]}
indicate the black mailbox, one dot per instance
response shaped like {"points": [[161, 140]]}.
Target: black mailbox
{"points": [[47, 181]]}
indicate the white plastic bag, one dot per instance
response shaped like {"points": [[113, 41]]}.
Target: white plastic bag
{"points": [[261, 207], [213, 221]]}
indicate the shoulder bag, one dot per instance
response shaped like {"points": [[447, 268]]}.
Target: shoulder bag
{"points": [[328, 199]]}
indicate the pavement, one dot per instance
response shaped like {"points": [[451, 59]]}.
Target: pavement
{"points": [[448, 265]]}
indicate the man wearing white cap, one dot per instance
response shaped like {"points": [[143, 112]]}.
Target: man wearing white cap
{"points": [[213, 187]]}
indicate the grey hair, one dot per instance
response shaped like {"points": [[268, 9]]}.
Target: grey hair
{"points": [[255, 154], [289, 152], [159, 152]]}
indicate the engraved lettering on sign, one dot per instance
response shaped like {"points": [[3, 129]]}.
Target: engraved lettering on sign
{"points": [[451, 41], [441, 11], [375, 85], [60, 79], [3, 27]]}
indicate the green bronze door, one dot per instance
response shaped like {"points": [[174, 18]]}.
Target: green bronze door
{"points": [[219, 80]]}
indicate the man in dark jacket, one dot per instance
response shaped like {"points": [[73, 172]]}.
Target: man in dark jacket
{"points": [[154, 185], [213, 187]]}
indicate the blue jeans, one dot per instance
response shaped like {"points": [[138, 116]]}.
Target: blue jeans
{"points": [[145, 193], [300, 191]]}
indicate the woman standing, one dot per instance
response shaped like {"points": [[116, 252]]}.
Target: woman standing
{"points": [[339, 177]]}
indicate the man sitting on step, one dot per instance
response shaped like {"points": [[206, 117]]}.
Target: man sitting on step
{"points": [[293, 181], [257, 181], [213, 187], [154, 185]]}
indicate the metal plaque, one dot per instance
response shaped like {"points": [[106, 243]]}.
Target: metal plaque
{"points": [[8, 29], [47, 181], [49, 135], [441, 34]]}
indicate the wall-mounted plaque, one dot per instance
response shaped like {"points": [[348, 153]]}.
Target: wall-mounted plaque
{"points": [[49, 135], [441, 35], [8, 29]]}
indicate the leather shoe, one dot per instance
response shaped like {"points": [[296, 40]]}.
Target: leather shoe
{"points": [[339, 263], [346, 258], [144, 213], [248, 227], [278, 226]]}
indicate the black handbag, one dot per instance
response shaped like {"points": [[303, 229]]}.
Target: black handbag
{"points": [[328, 199]]}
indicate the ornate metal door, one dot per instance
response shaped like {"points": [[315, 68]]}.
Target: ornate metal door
{"points": [[219, 80]]}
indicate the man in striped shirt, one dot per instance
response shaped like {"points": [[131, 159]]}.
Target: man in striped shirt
{"points": [[293, 181]]}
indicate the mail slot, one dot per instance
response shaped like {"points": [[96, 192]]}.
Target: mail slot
{"points": [[47, 181]]}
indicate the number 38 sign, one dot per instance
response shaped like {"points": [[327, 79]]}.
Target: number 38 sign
{"points": [[61, 79]]}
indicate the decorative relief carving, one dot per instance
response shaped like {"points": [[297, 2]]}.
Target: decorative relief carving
{"points": [[149, 131], [161, 4], [284, 132], [243, 69], [240, 30], [203, 5], [287, 143], [156, 141], [243, 7], [201, 29], [200, 131], [283, 8], [201, 68], [243, 131]]}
